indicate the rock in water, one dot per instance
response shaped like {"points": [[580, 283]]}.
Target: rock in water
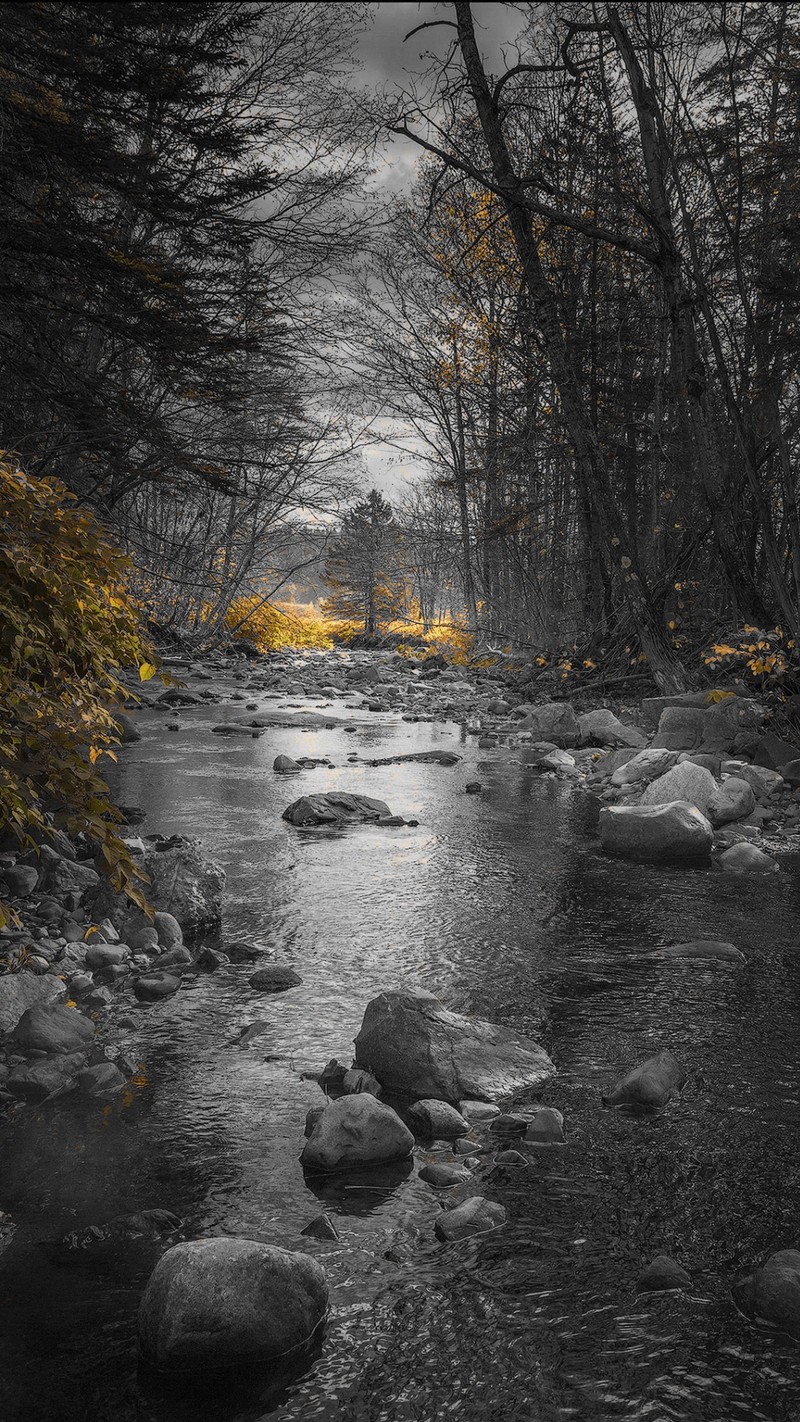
{"points": [[650, 1084], [337, 808], [772, 1293], [662, 1273], [656, 833], [747, 859], [222, 1303], [436, 1120], [275, 977], [443, 1177], [701, 949], [685, 781], [475, 1216], [153, 986], [355, 1131], [285, 765], [546, 1127], [418, 1049], [53, 1029]]}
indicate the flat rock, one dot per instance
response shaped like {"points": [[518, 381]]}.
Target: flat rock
{"points": [[419, 1049], [645, 765], [702, 949], [337, 808]]}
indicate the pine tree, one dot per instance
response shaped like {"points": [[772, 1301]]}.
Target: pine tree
{"points": [[363, 568]]}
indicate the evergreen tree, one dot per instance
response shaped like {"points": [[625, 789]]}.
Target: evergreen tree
{"points": [[363, 568]]}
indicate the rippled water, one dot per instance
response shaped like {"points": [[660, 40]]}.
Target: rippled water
{"points": [[487, 902]]}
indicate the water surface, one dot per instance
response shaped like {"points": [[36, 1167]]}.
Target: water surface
{"points": [[487, 902]]}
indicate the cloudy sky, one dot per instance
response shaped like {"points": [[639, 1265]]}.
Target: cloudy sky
{"points": [[387, 63]]}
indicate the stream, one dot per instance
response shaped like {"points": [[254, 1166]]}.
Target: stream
{"points": [[487, 902]]}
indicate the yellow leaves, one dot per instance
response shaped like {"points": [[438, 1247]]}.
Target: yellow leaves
{"points": [[714, 697], [723, 650], [672, 624], [147, 670]]}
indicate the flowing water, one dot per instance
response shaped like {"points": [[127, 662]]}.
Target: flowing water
{"points": [[488, 902]]}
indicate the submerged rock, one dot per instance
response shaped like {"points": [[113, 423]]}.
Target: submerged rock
{"points": [[355, 1131], [656, 833], [701, 949], [661, 1274], [275, 977], [223, 1303], [418, 1048], [650, 1084], [475, 1216]]}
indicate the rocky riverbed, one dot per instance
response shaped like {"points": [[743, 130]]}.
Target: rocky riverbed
{"points": [[503, 903]]}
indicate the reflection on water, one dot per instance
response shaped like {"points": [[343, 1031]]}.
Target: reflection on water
{"points": [[488, 902]]}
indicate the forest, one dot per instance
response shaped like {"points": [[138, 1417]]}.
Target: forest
{"points": [[426, 379]]}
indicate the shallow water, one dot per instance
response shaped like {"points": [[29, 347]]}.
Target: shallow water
{"points": [[486, 902]]}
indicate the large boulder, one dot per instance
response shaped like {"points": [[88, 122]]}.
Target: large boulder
{"points": [[650, 1084], [684, 781], [669, 833], [60, 876], [730, 726], [336, 808], [53, 1028], [418, 1048], [184, 882], [223, 1303], [46, 1077], [645, 765], [19, 991], [772, 1293], [555, 721], [603, 728], [734, 800], [356, 1131]]}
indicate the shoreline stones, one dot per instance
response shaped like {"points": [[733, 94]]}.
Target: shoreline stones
{"points": [[225, 1303]]}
